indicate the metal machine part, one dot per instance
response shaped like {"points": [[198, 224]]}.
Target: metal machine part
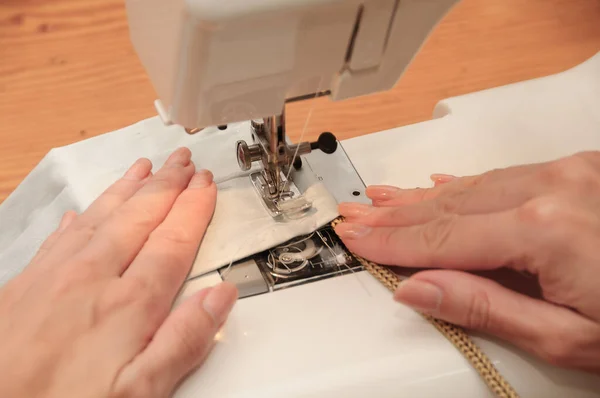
{"points": [[302, 260], [247, 277], [335, 171], [274, 183], [309, 258]]}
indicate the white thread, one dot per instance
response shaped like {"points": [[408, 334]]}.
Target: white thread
{"points": [[356, 275], [233, 176], [287, 177]]}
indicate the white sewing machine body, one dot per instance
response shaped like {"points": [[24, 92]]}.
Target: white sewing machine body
{"points": [[216, 62]]}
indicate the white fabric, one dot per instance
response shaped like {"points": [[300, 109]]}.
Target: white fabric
{"points": [[72, 177], [241, 226]]}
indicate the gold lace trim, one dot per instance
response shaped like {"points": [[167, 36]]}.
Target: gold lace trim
{"points": [[457, 336]]}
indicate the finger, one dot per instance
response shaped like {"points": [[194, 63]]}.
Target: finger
{"points": [[553, 333], [165, 260], [180, 344], [384, 195], [398, 216], [119, 239], [118, 193], [492, 197], [439, 179], [65, 221], [82, 229], [484, 241]]}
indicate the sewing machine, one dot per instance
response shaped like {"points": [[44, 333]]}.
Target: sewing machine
{"points": [[338, 333], [217, 63], [224, 71]]}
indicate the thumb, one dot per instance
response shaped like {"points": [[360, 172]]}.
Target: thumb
{"points": [[181, 344], [556, 334]]}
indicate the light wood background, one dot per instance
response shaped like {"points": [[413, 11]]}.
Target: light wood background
{"points": [[68, 71]]}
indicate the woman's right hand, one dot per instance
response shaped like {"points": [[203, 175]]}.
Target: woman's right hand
{"points": [[543, 219]]}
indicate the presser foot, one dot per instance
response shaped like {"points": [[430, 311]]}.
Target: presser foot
{"points": [[288, 204]]}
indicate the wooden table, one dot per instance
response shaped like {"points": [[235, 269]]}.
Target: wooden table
{"points": [[68, 71]]}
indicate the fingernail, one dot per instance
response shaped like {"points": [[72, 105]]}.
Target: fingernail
{"points": [[420, 295], [352, 231], [139, 170], [201, 179], [441, 178], [350, 210], [219, 301], [180, 158], [382, 192]]}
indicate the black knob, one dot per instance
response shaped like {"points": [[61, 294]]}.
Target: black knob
{"points": [[297, 163], [326, 143]]}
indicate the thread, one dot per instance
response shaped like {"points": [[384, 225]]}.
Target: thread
{"points": [[244, 243], [315, 229], [233, 176], [310, 111]]}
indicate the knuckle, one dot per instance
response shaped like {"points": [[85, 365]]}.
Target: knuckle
{"points": [[175, 235], [387, 238], [164, 181], [119, 189], [137, 289], [563, 347], [151, 305], [141, 386], [399, 215], [452, 203], [154, 310], [135, 286], [84, 229], [141, 216], [112, 299], [423, 194], [123, 294], [170, 179], [435, 234], [70, 278], [556, 354], [47, 244], [570, 172], [137, 295], [474, 181], [545, 211], [10, 294], [483, 178], [478, 312], [193, 341], [591, 156]]}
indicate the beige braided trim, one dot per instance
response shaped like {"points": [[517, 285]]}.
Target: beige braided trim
{"points": [[457, 336]]}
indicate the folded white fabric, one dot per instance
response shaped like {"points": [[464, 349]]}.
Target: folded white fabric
{"points": [[241, 226], [71, 177]]}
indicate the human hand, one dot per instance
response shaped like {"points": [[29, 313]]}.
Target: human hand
{"points": [[91, 314], [543, 219]]}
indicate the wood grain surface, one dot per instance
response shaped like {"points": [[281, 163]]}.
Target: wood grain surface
{"points": [[68, 71]]}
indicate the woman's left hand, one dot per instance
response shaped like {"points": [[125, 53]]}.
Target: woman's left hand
{"points": [[91, 314]]}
